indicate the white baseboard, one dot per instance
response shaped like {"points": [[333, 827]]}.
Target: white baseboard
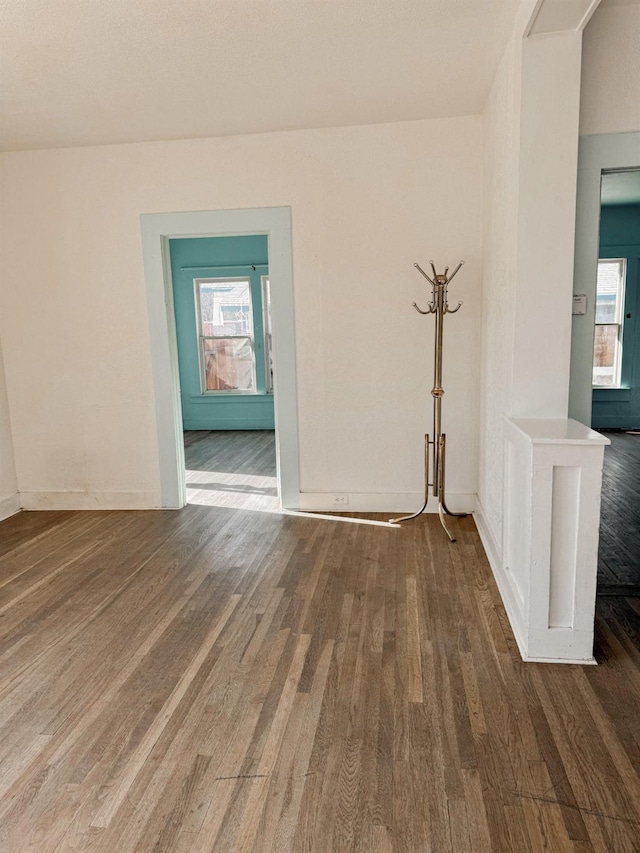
{"points": [[9, 506], [503, 581], [488, 537], [390, 502], [89, 500]]}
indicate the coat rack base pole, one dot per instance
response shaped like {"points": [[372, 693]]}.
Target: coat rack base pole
{"points": [[426, 487], [439, 456]]}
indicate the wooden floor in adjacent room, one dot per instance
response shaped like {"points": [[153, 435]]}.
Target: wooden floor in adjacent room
{"points": [[619, 553], [231, 679]]}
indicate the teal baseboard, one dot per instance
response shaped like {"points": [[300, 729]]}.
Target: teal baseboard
{"points": [[615, 423]]}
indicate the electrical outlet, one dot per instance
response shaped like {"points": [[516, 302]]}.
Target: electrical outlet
{"points": [[341, 500]]}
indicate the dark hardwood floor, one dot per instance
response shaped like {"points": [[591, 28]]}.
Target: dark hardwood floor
{"points": [[619, 552], [231, 679]]}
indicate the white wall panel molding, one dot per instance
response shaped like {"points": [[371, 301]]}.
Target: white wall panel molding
{"points": [[546, 565]]}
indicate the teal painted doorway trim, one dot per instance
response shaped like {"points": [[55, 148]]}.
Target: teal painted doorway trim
{"points": [[225, 258]]}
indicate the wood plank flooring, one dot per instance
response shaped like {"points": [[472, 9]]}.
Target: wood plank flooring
{"points": [[224, 679], [232, 468], [619, 552]]}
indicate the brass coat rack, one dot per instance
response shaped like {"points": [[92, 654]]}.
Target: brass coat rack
{"points": [[438, 306]]}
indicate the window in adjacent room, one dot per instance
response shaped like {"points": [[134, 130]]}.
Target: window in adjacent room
{"points": [[607, 351], [226, 335]]}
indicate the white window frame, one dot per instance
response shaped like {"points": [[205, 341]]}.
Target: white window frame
{"points": [[265, 285], [618, 321], [202, 338]]}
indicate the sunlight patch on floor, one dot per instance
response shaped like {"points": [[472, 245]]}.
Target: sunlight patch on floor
{"points": [[234, 491], [254, 494]]}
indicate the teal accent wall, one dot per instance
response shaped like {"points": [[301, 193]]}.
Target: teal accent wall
{"points": [[218, 257], [619, 408]]}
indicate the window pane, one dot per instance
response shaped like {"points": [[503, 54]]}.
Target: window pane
{"points": [[609, 291], [225, 308], [266, 310], [605, 352], [228, 364]]}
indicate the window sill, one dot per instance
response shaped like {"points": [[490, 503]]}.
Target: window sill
{"points": [[608, 395], [230, 396]]}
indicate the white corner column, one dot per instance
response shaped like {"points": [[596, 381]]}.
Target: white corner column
{"points": [[541, 531], [548, 571]]}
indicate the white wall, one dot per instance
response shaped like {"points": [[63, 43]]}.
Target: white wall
{"points": [[9, 502], [366, 203], [8, 486], [501, 130], [529, 191], [610, 99]]}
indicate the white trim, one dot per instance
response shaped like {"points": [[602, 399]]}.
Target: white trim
{"points": [[580, 20], [9, 506], [595, 154], [69, 500], [157, 229], [391, 502]]}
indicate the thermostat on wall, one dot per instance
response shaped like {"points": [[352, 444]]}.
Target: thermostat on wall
{"points": [[579, 303]]}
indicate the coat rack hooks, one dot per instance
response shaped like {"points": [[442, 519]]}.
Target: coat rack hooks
{"points": [[439, 306]]}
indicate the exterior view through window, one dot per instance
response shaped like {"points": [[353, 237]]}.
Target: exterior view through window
{"points": [[225, 329], [607, 350]]}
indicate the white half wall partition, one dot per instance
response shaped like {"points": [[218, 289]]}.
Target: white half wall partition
{"points": [[546, 564], [157, 230]]}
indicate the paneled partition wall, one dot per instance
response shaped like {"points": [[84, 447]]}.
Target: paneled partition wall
{"points": [[548, 566]]}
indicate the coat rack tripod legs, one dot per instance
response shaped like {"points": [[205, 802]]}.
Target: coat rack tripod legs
{"points": [[437, 447]]}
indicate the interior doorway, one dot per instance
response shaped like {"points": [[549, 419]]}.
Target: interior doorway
{"points": [[158, 233], [605, 369], [616, 380], [222, 307]]}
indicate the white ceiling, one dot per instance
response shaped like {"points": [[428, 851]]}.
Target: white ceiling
{"points": [[621, 187], [86, 72]]}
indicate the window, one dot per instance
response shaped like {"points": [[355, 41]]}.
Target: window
{"points": [[266, 322], [607, 349], [226, 337]]}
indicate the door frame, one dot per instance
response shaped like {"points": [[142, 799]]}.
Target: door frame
{"points": [[596, 154], [157, 230]]}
